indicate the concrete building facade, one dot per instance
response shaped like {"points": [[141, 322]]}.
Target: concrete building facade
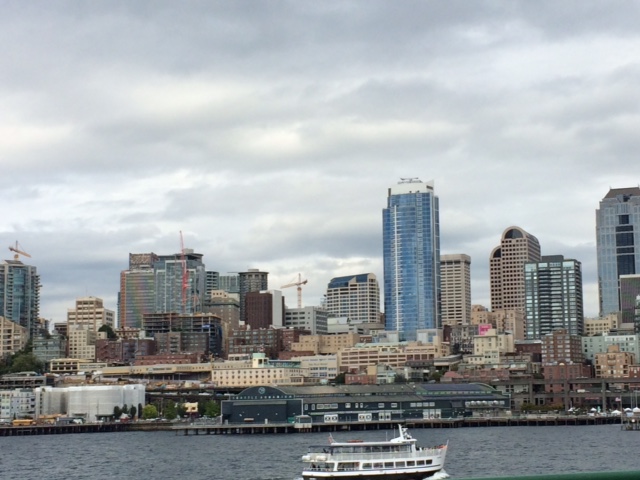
{"points": [[313, 319], [455, 281], [506, 268], [354, 296], [90, 314]]}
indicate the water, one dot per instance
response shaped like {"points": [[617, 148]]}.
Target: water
{"points": [[473, 452]]}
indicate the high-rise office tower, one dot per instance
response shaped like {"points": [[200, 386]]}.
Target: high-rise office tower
{"points": [[253, 280], [20, 294], [553, 297], [629, 293], [618, 243], [506, 268], [212, 283], [229, 283], [411, 255], [137, 294], [354, 296], [455, 284], [180, 282]]}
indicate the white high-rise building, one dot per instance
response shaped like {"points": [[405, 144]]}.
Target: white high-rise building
{"points": [[356, 297], [89, 314]]}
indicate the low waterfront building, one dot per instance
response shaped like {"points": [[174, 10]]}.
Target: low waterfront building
{"points": [[362, 403], [18, 403], [91, 402], [12, 381], [70, 366]]}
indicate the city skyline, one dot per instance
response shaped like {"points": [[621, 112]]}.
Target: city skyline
{"points": [[268, 133]]}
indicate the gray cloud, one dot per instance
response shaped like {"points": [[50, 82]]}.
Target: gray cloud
{"points": [[269, 132]]}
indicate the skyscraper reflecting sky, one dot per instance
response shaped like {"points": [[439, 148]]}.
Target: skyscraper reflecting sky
{"points": [[618, 243], [411, 251]]}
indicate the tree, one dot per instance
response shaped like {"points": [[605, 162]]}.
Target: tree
{"points": [[116, 412], [170, 411], [181, 410], [125, 409], [111, 335], [400, 378], [26, 362], [132, 411], [149, 411], [212, 409], [340, 378]]}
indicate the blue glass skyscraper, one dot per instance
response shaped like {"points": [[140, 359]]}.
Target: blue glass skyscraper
{"points": [[411, 251], [618, 243]]}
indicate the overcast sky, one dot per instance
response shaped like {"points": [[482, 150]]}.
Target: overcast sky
{"points": [[269, 132]]}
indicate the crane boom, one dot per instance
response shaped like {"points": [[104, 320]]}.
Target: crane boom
{"points": [[298, 284], [17, 250]]}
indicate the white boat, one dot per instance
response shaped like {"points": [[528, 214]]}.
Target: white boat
{"points": [[396, 459]]}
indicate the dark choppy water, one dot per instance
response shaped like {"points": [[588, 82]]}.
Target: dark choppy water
{"points": [[473, 452]]}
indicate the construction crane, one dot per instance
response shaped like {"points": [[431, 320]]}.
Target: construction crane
{"points": [[17, 250], [298, 284]]}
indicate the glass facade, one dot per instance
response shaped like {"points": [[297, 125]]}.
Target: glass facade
{"points": [[411, 251], [553, 297], [20, 294], [618, 243]]}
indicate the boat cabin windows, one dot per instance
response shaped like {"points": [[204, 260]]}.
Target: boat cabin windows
{"points": [[364, 449], [411, 463], [342, 466]]}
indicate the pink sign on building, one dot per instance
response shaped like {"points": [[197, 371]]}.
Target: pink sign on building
{"points": [[483, 328]]}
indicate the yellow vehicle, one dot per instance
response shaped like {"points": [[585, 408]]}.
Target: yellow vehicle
{"points": [[23, 422]]}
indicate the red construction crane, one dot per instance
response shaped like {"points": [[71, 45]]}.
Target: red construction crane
{"points": [[298, 284], [17, 250]]}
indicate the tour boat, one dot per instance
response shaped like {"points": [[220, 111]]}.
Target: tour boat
{"points": [[395, 459]]}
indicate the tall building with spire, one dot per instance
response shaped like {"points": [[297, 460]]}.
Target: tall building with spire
{"points": [[411, 255], [617, 243], [506, 268]]}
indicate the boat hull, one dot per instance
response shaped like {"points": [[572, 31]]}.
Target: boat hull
{"points": [[363, 475]]}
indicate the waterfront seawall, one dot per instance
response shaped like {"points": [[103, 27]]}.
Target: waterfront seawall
{"points": [[196, 428]]}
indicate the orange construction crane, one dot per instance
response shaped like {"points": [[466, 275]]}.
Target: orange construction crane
{"points": [[17, 250], [298, 284]]}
